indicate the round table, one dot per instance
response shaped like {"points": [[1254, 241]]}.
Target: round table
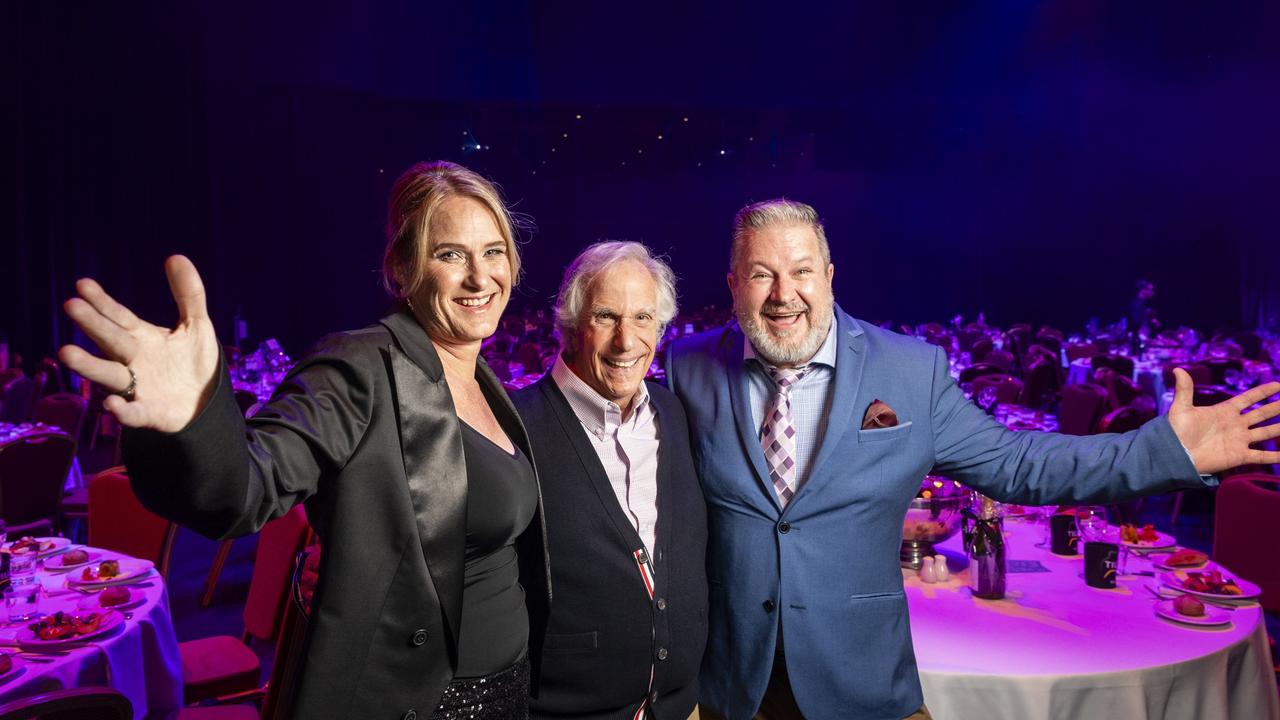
{"points": [[139, 658], [1057, 648]]}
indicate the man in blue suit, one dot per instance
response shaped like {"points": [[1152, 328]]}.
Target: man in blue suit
{"points": [[811, 432]]}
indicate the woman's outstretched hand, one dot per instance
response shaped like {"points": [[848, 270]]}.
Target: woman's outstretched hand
{"points": [[171, 372]]}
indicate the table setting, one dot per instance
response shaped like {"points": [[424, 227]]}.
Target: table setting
{"points": [[79, 616], [1121, 622]]}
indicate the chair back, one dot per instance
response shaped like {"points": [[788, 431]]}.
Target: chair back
{"points": [[1244, 537], [1002, 359], [981, 348], [87, 703], [1008, 389], [1051, 339], [1082, 406], [1042, 381], [1075, 351], [1251, 345], [8, 375], [977, 370], [17, 399], [1123, 391], [119, 522], [1121, 364], [1123, 420], [1224, 348], [1206, 396], [62, 410], [33, 471], [1218, 368], [1200, 375], [279, 543], [282, 687]]}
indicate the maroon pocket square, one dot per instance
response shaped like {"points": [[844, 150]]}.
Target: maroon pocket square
{"points": [[879, 415]]}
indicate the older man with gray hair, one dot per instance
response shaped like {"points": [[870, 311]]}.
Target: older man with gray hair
{"points": [[626, 523]]}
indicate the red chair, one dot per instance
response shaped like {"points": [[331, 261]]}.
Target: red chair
{"points": [[1051, 339], [1123, 420], [978, 370], [18, 398], [1002, 359], [981, 348], [1082, 406], [62, 410], [117, 521], [1200, 375], [33, 470], [1075, 351], [1121, 364], [1008, 389], [1244, 538], [1043, 380], [226, 667], [87, 703], [1218, 368]]}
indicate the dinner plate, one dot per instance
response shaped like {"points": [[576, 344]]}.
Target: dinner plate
{"points": [[93, 603], [1212, 615], [57, 566], [1163, 540], [1250, 591], [17, 668], [55, 545], [1158, 563], [131, 570], [110, 621]]}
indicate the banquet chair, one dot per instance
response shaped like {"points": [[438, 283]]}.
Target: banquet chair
{"points": [[1051, 339], [83, 703], [967, 338], [33, 470], [1042, 382], [224, 667], [8, 375], [18, 397], [62, 410], [1002, 359], [1206, 396], [1082, 405], [977, 370], [1218, 368], [981, 348], [1200, 375], [1075, 351], [1121, 364], [119, 522], [1123, 420], [1251, 345], [1008, 389], [1244, 537], [1037, 352]]}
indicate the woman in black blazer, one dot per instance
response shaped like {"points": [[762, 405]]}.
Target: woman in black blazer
{"points": [[413, 465]]}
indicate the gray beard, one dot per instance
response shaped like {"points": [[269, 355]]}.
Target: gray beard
{"points": [[777, 354]]}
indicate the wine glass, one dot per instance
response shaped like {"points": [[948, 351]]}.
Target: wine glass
{"points": [[987, 398], [1091, 523], [1044, 512]]}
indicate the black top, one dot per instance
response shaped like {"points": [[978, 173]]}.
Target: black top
{"points": [[501, 499]]}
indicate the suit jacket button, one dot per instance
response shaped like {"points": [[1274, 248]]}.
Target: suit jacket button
{"points": [[662, 603], [662, 653], [768, 606], [418, 639], [410, 715], [784, 527]]}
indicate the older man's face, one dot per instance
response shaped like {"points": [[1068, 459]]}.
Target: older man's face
{"points": [[782, 293], [617, 333]]}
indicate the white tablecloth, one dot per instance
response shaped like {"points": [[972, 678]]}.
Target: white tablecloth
{"points": [[140, 659], [1056, 648]]}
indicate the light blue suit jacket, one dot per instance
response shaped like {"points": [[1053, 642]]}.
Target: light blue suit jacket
{"points": [[827, 567]]}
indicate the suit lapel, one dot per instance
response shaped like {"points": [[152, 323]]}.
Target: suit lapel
{"points": [[572, 429], [851, 354], [740, 396]]}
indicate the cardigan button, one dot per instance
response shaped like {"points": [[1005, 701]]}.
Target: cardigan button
{"points": [[662, 603], [662, 653], [410, 714], [419, 638]]}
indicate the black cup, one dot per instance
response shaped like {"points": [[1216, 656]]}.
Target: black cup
{"points": [[1063, 536], [1100, 560]]}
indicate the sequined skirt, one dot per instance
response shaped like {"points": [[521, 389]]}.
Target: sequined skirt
{"points": [[503, 695]]}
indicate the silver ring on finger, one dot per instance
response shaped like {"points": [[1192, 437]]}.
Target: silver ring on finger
{"points": [[129, 392]]}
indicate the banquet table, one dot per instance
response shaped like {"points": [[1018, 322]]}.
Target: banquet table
{"points": [[1057, 648], [138, 658], [10, 432]]}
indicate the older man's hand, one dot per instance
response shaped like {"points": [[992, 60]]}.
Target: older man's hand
{"points": [[1219, 436]]}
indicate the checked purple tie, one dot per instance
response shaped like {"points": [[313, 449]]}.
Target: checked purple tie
{"points": [[778, 436]]}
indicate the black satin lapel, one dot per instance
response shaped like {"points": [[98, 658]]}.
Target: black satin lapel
{"points": [[591, 466], [740, 395], [434, 463]]}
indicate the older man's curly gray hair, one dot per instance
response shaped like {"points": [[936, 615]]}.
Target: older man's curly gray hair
{"points": [[594, 260]]}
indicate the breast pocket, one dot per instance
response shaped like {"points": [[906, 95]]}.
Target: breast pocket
{"points": [[881, 434], [559, 643]]}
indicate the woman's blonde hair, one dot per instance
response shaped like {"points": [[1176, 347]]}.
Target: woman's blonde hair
{"points": [[415, 197]]}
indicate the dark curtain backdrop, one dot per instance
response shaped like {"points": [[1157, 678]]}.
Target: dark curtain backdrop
{"points": [[1027, 160]]}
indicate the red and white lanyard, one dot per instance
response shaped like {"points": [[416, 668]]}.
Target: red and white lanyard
{"points": [[644, 563]]}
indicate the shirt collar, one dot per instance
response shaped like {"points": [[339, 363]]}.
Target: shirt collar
{"points": [[597, 413], [826, 354]]}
